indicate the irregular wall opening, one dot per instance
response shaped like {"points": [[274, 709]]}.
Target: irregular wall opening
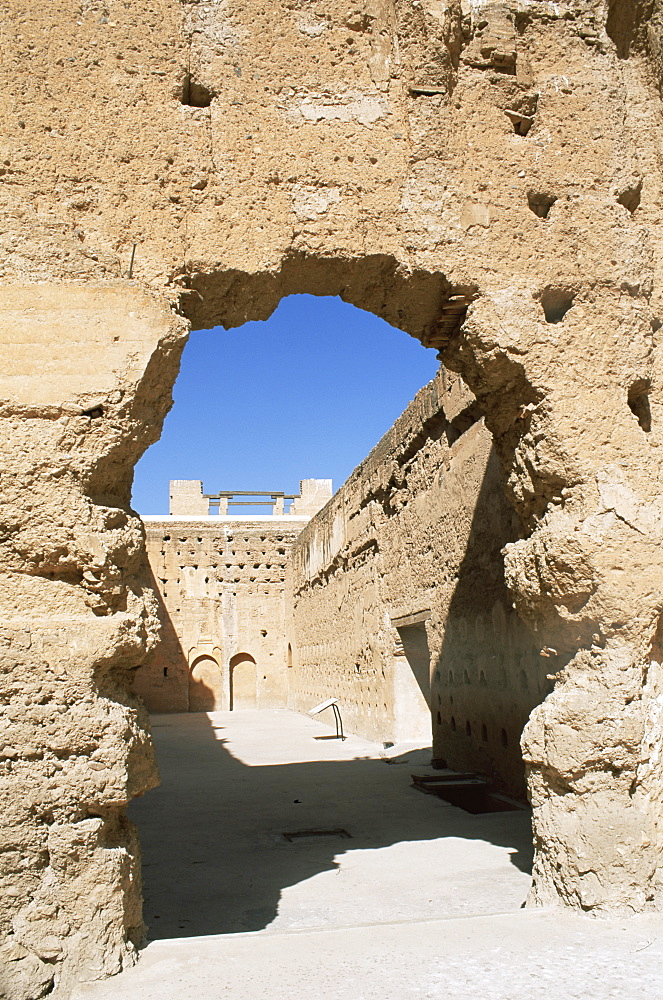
{"points": [[580, 463], [308, 392], [102, 577]]}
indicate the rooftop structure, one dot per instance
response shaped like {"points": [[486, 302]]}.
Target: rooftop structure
{"points": [[187, 499]]}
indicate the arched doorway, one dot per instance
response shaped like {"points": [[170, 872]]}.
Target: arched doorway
{"points": [[205, 685], [242, 682]]}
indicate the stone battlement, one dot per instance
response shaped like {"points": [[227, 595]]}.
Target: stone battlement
{"points": [[187, 499]]}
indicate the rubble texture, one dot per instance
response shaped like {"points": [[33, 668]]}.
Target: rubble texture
{"points": [[411, 156], [398, 601]]}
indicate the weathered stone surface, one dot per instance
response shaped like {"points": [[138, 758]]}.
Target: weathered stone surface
{"points": [[399, 605], [77, 615], [221, 584], [408, 155]]}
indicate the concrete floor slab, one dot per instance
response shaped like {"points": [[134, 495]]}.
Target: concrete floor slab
{"points": [[421, 900], [539, 955]]}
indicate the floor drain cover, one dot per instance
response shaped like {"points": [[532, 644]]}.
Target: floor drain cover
{"points": [[300, 834]]}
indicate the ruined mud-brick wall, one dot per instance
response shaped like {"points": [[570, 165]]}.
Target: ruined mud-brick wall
{"points": [[77, 615], [408, 155], [221, 582], [416, 533]]}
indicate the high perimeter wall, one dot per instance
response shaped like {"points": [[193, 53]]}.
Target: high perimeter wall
{"points": [[221, 587], [399, 600]]}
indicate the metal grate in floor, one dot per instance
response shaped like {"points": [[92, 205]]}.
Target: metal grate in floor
{"points": [[300, 834]]}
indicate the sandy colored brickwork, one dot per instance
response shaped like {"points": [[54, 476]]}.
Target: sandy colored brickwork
{"points": [[413, 541], [409, 155], [221, 584]]}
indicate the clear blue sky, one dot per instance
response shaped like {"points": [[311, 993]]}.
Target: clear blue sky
{"points": [[304, 395]]}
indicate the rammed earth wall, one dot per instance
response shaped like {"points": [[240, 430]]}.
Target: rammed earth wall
{"points": [[398, 595], [413, 157], [221, 584]]}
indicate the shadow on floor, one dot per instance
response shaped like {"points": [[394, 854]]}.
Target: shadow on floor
{"points": [[215, 858]]}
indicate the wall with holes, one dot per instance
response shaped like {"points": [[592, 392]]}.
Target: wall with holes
{"points": [[220, 584], [405, 563]]}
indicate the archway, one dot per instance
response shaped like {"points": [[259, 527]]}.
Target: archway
{"points": [[290, 404], [243, 679], [148, 399], [225, 582], [205, 685], [210, 214]]}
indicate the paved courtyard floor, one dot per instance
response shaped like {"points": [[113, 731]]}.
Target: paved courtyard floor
{"points": [[403, 898]]}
